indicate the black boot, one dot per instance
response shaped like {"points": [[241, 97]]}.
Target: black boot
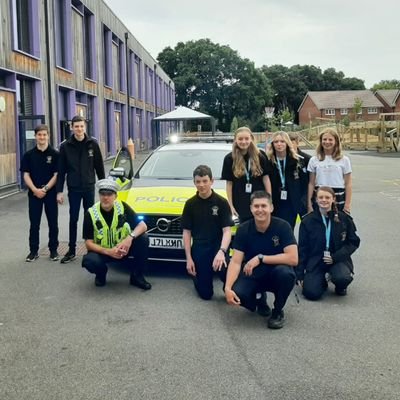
{"points": [[137, 279]]}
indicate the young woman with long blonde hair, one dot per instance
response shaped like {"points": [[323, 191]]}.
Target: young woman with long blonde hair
{"points": [[245, 171], [289, 181]]}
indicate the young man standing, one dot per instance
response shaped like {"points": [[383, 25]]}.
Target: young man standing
{"points": [[266, 249], [40, 167], [206, 223], [80, 160]]}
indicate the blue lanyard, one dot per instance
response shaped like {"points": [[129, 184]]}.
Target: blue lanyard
{"points": [[248, 171], [327, 231], [282, 173]]}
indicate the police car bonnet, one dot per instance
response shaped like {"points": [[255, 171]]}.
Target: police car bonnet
{"points": [[107, 185]]}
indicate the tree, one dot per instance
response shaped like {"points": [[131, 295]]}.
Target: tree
{"points": [[288, 89], [215, 79], [387, 84], [234, 124], [357, 107]]}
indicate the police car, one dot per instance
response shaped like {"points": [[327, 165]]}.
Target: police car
{"points": [[158, 190]]}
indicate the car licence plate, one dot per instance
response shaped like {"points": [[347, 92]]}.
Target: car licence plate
{"points": [[166, 243]]}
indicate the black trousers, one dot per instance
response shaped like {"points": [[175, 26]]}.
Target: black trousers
{"points": [[203, 254], [278, 279], [315, 284], [36, 205], [96, 263], [75, 199], [286, 211]]}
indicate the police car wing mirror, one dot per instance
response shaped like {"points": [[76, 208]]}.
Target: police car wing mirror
{"points": [[118, 172]]}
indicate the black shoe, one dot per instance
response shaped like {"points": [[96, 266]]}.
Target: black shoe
{"points": [[31, 257], [68, 257], [100, 280], [262, 306], [340, 291], [54, 255], [139, 281], [277, 320]]}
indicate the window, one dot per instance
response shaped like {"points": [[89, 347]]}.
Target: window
{"points": [[77, 4], [330, 111], [372, 110], [107, 56], [344, 111], [25, 92], [26, 27], [89, 44], [62, 32], [138, 80]]}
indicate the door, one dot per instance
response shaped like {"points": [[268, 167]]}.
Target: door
{"points": [[8, 143]]}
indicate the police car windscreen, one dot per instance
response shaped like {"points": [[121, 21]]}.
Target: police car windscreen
{"points": [[179, 164]]}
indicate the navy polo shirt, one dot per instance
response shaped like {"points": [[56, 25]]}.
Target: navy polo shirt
{"points": [[251, 242], [41, 165]]}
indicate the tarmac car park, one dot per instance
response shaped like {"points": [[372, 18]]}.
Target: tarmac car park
{"points": [[158, 190]]}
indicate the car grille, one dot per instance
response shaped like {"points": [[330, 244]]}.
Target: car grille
{"points": [[174, 228]]}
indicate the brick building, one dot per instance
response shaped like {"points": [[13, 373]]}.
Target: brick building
{"points": [[337, 105]]}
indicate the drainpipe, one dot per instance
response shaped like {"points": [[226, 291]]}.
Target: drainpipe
{"points": [[128, 85]]}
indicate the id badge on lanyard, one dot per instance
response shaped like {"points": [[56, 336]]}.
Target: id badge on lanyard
{"points": [[284, 193], [249, 186]]}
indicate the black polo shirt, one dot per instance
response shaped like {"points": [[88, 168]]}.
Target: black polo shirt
{"points": [[130, 217], [251, 242], [241, 199], [41, 165], [206, 218]]}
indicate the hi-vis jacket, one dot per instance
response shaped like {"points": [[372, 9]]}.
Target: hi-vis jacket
{"points": [[105, 236]]}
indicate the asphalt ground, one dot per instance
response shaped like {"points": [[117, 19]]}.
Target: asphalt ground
{"points": [[63, 338]]}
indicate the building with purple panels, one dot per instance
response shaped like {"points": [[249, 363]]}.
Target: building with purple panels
{"points": [[60, 58]]}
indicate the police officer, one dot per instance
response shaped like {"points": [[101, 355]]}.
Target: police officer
{"points": [[327, 239], [113, 233], [266, 248], [39, 167], [80, 159], [206, 221]]}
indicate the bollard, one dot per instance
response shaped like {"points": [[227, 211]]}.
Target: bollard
{"points": [[131, 148]]}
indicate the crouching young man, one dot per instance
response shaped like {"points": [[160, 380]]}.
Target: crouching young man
{"points": [[266, 248], [113, 233], [206, 223]]}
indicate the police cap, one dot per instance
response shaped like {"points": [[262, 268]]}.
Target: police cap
{"points": [[107, 186]]}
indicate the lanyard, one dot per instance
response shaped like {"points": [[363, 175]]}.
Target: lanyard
{"points": [[248, 170], [327, 231], [282, 173]]}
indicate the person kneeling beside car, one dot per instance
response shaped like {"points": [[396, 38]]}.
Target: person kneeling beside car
{"points": [[113, 234]]}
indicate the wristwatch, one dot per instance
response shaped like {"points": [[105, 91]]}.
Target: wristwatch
{"points": [[45, 188], [132, 235], [260, 258]]}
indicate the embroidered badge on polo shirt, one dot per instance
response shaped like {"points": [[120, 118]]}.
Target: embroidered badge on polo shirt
{"points": [[49, 159], [275, 241], [214, 210]]}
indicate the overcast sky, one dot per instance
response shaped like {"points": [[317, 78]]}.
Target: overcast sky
{"points": [[360, 38]]}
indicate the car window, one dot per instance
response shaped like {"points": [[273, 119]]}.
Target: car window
{"points": [[179, 164]]}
